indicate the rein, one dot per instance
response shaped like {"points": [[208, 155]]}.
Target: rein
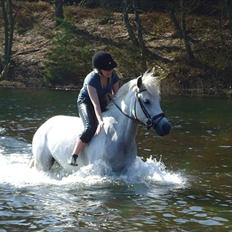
{"points": [[151, 121]]}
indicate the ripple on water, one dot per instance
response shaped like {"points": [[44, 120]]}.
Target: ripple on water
{"points": [[169, 215], [225, 146], [208, 222], [2, 131]]}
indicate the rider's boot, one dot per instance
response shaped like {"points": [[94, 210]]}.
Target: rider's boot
{"points": [[73, 161], [79, 147]]}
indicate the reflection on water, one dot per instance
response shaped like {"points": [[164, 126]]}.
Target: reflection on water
{"points": [[188, 189]]}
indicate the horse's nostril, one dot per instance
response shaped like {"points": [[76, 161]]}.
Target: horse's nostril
{"points": [[163, 128], [166, 128]]}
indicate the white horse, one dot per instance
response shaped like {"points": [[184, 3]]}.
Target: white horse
{"points": [[136, 101]]}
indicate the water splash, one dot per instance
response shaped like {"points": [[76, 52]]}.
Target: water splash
{"points": [[152, 171], [14, 170]]}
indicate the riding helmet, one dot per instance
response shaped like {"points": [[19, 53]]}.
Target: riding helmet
{"points": [[103, 60]]}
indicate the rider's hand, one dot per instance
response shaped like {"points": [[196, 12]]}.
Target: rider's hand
{"points": [[100, 126]]}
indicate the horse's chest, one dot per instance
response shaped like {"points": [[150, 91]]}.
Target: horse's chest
{"points": [[119, 148], [122, 147], [118, 143]]}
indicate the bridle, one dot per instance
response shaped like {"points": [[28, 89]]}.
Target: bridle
{"points": [[152, 121]]}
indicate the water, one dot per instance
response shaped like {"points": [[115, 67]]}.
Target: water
{"points": [[179, 183]]}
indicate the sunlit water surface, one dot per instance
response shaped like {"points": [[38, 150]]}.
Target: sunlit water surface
{"points": [[181, 182]]}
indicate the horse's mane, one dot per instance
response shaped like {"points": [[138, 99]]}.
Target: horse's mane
{"points": [[149, 82], [123, 90]]}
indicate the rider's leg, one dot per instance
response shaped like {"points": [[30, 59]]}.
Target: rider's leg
{"points": [[78, 148], [87, 114]]}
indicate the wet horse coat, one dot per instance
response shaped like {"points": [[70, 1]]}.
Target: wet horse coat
{"points": [[136, 101]]}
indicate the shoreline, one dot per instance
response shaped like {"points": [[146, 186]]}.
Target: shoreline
{"points": [[190, 92]]}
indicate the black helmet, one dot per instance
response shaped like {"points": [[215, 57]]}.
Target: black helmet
{"points": [[103, 60]]}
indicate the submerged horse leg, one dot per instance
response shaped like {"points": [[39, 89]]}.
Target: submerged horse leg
{"points": [[45, 166], [42, 158]]}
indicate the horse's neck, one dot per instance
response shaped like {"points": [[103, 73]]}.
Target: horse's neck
{"points": [[125, 126]]}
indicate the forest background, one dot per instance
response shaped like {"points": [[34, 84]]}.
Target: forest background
{"points": [[50, 43]]}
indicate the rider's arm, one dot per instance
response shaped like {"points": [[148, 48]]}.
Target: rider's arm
{"points": [[115, 88], [95, 101]]}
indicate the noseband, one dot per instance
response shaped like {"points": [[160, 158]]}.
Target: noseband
{"points": [[151, 121]]}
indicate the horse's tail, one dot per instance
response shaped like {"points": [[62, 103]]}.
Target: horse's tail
{"points": [[42, 158]]}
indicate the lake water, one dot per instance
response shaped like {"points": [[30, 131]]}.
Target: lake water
{"points": [[183, 181]]}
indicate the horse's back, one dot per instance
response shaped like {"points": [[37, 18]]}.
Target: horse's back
{"points": [[54, 137], [58, 125]]}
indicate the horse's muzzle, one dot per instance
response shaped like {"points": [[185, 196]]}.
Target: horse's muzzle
{"points": [[163, 127]]}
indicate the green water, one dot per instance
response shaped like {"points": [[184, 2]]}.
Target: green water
{"points": [[199, 148]]}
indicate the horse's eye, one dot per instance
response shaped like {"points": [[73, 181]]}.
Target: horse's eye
{"points": [[147, 101]]}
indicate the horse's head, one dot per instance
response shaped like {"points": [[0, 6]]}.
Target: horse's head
{"points": [[147, 104]]}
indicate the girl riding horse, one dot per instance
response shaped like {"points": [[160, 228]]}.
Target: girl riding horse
{"points": [[137, 101], [92, 99]]}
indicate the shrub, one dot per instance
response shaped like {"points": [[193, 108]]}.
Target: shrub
{"points": [[25, 20], [38, 6], [28, 14], [69, 59]]}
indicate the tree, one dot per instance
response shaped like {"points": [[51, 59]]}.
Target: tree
{"points": [[9, 23], [59, 13], [180, 24], [137, 40], [229, 12]]}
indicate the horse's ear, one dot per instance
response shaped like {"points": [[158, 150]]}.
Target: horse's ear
{"points": [[153, 71], [139, 82]]}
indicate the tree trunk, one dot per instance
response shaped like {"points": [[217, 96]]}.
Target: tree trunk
{"points": [[137, 41], [140, 33], [184, 31], [229, 12], [174, 19], [180, 26], [8, 18], [220, 25], [11, 31], [6, 31], [59, 13], [128, 25]]}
